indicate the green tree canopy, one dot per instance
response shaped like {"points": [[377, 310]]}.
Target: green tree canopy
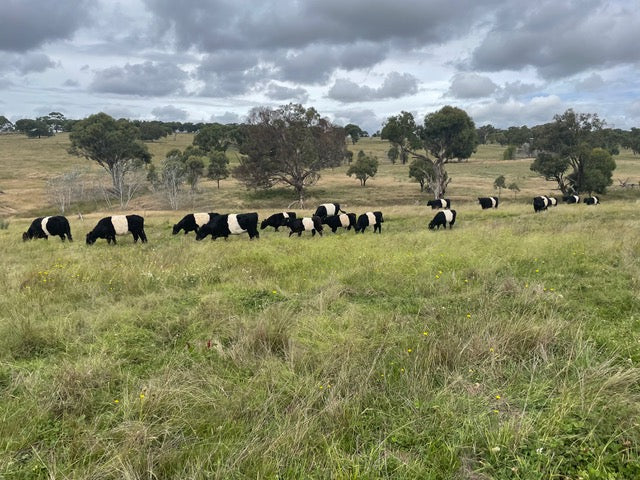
{"points": [[218, 166], [34, 128], [446, 134], [215, 137], [571, 138], [401, 131], [365, 167], [288, 145], [499, 183], [112, 144], [421, 169]]}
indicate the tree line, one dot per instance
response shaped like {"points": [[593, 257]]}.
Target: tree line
{"points": [[291, 144]]}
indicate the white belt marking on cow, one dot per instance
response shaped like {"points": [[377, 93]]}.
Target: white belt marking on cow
{"points": [[330, 208], [201, 218], [285, 214], [493, 202], [43, 225], [234, 226], [344, 220], [546, 201], [371, 217], [120, 224], [448, 216], [577, 198], [307, 223]]}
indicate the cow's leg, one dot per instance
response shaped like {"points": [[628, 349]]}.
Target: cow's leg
{"points": [[300, 233], [143, 236]]}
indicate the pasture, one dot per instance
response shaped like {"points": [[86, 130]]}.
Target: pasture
{"points": [[507, 347]]}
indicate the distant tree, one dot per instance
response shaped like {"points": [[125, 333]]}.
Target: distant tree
{"points": [[485, 134], [572, 138], [354, 132], [34, 128], [194, 159], [288, 145], [56, 121], [499, 183], [150, 131], [113, 145], [514, 188], [402, 131], [598, 171], [509, 153], [632, 140], [445, 135], [421, 169], [365, 167], [393, 154], [6, 125], [214, 137], [218, 167], [348, 156], [552, 167], [517, 135]]}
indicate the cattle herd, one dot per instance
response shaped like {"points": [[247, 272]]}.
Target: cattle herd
{"points": [[222, 225]]}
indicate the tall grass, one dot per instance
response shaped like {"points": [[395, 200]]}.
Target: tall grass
{"points": [[506, 347]]}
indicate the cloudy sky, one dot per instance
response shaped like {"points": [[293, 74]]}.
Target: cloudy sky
{"points": [[506, 62]]}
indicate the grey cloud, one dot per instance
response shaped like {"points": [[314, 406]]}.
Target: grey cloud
{"points": [[71, 83], [279, 92], [226, 73], [169, 113], [315, 64], [143, 79], [24, 64], [560, 39], [590, 83], [25, 25], [471, 85], [289, 24], [395, 85], [226, 118], [366, 119], [535, 111]]}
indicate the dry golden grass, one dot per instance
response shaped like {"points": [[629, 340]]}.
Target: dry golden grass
{"points": [[27, 165]]}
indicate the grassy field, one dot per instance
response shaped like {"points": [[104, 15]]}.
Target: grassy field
{"points": [[507, 347]]}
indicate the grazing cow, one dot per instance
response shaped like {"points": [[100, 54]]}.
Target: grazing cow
{"points": [[43, 227], [230, 224], [192, 222], [439, 203], [328, 209], [443, 218], [370, 218], [571, 199], [109, 227], [488, 202], [540, 203], [344, 220], [277, 220], [553, 202], [592, 200], [305, 224]]}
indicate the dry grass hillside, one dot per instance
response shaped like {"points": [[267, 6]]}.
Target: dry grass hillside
{"points": [[27, 165]]}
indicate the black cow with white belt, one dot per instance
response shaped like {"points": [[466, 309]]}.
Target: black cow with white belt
{"points": [[277, 220], [442, 219], [192, 222], [373, 219], [109, 227], [44, 227], [230, 224]]}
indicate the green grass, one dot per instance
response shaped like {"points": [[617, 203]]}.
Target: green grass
{"points": [[504, 348]]}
